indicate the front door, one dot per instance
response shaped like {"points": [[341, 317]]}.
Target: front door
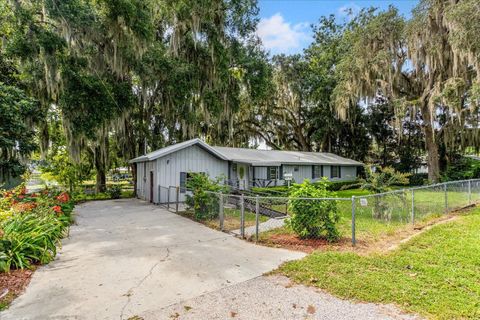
{"points": [[151, 186], [242, 176]]}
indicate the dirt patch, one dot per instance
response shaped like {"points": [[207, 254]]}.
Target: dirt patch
{"points": [[293, 242], [12, 284]]}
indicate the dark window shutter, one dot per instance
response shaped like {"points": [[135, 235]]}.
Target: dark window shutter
{"points": [[339, 171], [321, 171]]}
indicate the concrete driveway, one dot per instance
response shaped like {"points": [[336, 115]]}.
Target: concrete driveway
{"points": [[126, 257]]}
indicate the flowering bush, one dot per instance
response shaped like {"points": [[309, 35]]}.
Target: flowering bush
{"points": [[31, 225]]}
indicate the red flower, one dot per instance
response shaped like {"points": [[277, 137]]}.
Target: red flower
{"points": [[63, 197], [57, 209], [34, 195], [21, 196]]}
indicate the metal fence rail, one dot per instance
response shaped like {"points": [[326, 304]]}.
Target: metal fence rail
{"points": [[249, 215]]}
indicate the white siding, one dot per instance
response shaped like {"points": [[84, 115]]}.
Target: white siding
{"points": [[304, 172], [260, 172], [191, 159]]}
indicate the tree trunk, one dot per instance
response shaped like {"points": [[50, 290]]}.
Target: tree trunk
{"points": [[433, 160], [100, 167]]}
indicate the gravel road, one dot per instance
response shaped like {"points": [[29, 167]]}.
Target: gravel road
{"points": [[274, 297]]}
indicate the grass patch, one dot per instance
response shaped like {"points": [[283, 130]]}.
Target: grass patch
{"points": [[436, 274], [429, 205], [100, 196], [231, 219]]}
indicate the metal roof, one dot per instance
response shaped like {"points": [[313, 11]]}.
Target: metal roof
{"points": [[278, 157], [176, 147], [253, 156]]}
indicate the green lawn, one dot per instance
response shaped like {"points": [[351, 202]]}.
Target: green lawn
{"points": [[386, 215], [436, 274]]}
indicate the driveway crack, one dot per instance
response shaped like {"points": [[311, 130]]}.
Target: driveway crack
{"points": [[149, 274]]}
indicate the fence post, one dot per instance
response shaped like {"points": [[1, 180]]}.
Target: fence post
{"points": [[242, 216], [177, 198], [413, 206], [469, 192], [446, 197], [168, 198], [257, 213], [159, 194], [354, 241], [220, 211]]}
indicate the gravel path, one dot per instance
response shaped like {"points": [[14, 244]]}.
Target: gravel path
{"points": [[274, 297]]}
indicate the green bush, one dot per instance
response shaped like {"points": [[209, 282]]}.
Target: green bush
{"points": [[340, 185], [418, 179], [272, 191], [462, 168], [30, 238], [204, 203], [313, 218], [31, 226], [115, 191]]}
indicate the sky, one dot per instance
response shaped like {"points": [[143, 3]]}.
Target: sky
{"points": [[284, 25]]}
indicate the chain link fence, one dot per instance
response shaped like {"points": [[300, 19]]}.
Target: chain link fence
{"points": [[362, 218]]}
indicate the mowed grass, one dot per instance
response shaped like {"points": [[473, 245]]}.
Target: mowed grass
{"points": [[429, 204], [436, 274]]}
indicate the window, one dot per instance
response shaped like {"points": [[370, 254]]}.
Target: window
{"points": [[183, 181], [295, 169], [272, 173], [335, 172], [317, 172], [184, 177]]}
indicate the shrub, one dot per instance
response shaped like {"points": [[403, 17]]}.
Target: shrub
{"points": [[115, 192], [462, 168], [29, 238], [313, 218], [204, 204], [31, 225], [341, 185], [418, 179]]}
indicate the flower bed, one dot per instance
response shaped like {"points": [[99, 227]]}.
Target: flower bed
{"points": [[31, 226]]}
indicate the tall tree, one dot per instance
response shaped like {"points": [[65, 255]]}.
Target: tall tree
{"points": [[423, 64]]}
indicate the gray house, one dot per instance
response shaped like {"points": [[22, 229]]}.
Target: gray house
{"points": [[169, 167]]}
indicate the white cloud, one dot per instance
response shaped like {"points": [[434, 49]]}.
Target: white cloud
{"points": [[280, 36]]}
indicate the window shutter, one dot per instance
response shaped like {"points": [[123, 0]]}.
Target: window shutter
{"points": [[339, 172], [321, 171]]}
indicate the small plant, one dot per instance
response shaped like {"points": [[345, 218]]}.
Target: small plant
{"points": [[313, 218], [382, 180], [115, 192], [204, 204]]}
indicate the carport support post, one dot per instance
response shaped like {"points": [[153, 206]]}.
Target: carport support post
{"points": [[353, 222], [220, 210], [257, 213], [242, 216], [177, 198], [413, 206]]}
